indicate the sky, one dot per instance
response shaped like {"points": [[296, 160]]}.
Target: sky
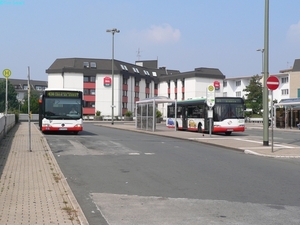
{"points": [[180, 34]]}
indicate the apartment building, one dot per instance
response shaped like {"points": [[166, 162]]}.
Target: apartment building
{"points": [[132, 82], [289, 86], [21, 86]]}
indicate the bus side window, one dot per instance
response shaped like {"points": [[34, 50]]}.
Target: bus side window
{"points": [[179, 112]]}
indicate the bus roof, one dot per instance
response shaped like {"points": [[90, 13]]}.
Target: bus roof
{"points": [[202, 100], [61, 89]]}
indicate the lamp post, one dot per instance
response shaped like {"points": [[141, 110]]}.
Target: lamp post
{"points": [[112, 31], [266, 75]]}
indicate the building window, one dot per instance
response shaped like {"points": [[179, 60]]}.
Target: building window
{"points": [[124, 105], [238, 94], [147, 95], [136, 70], [125, 80], [124, 67], [224, 83], [89, 104], [155, 86], [169, 84], [136, 82], [25, 87], [176, 96], [92, 79], [182, 82], [146, 72], [284, 80], [238, 83], [175, 82], [89, 79], [89, 91], [124, 93], [39, 88], [136, 94], [147, 85], [93, 65], [86, 64], [182, 96], [285, 91]]}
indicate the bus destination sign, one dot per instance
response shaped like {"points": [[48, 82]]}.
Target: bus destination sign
{"points": [[228, 100], [64, 94]]}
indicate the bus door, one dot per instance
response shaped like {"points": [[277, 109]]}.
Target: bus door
{"points": [[184, 118]]}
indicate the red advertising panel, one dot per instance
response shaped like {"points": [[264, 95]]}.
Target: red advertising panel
{"points": [[107, 81]]}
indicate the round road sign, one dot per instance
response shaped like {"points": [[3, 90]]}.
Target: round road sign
{"points": [[272, 82], [6, 73]]}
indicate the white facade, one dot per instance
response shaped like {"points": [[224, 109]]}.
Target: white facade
{"points": [[74, 73], [235, 87]]}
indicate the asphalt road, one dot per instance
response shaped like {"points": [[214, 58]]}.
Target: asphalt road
{"points": [[123, 177]]}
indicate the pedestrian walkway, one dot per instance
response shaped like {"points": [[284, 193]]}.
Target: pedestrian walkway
{"points": [[33, 189], [246, 144]]}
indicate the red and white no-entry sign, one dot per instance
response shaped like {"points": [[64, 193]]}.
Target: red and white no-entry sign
{"points": [[272, 82]]}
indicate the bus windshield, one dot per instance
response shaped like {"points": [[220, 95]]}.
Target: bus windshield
{"points": [[61, 108], [228, 111]]}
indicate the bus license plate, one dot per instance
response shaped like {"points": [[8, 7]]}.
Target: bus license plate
{"points": [[63, 128], [229, 129]]}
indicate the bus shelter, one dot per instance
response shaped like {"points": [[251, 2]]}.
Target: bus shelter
{"points": [[287, 113], [145, 112]]}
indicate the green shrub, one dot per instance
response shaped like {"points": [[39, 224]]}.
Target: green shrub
{"points": [[128, 113], [158, 114]]}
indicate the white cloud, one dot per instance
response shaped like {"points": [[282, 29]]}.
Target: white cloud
{"points": [[293, 34], [160, 34]]}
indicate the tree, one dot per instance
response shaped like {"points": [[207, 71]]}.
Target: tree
{"points": [[34, 102], [254, 94], [11, 96]]}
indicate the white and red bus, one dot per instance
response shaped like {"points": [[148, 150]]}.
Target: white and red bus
{"points": [[61, 110], [192, 115]]}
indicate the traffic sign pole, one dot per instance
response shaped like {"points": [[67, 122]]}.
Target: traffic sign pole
{"points": [[272, 84], [210, 101], [6, 73], [272, 121]]}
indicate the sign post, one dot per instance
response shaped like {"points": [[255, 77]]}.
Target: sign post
{"points": [[272, 84], [210, 101], [6, 73]]}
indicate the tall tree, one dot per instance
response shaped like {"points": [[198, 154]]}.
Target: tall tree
{"points": [[254, 94], [11, 96], [34, 102]]}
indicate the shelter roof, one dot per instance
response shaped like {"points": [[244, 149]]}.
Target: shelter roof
{"points": [[157, 99], [289, 102]]}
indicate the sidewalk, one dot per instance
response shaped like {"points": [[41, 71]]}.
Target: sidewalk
{"points": [[246, 144], [33, 189]]}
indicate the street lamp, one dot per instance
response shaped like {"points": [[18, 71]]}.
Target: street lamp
{"points": [[112, 31], [262, 59]]}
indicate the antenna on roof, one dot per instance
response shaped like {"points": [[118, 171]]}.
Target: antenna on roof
{"points": [[138, 54]]}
